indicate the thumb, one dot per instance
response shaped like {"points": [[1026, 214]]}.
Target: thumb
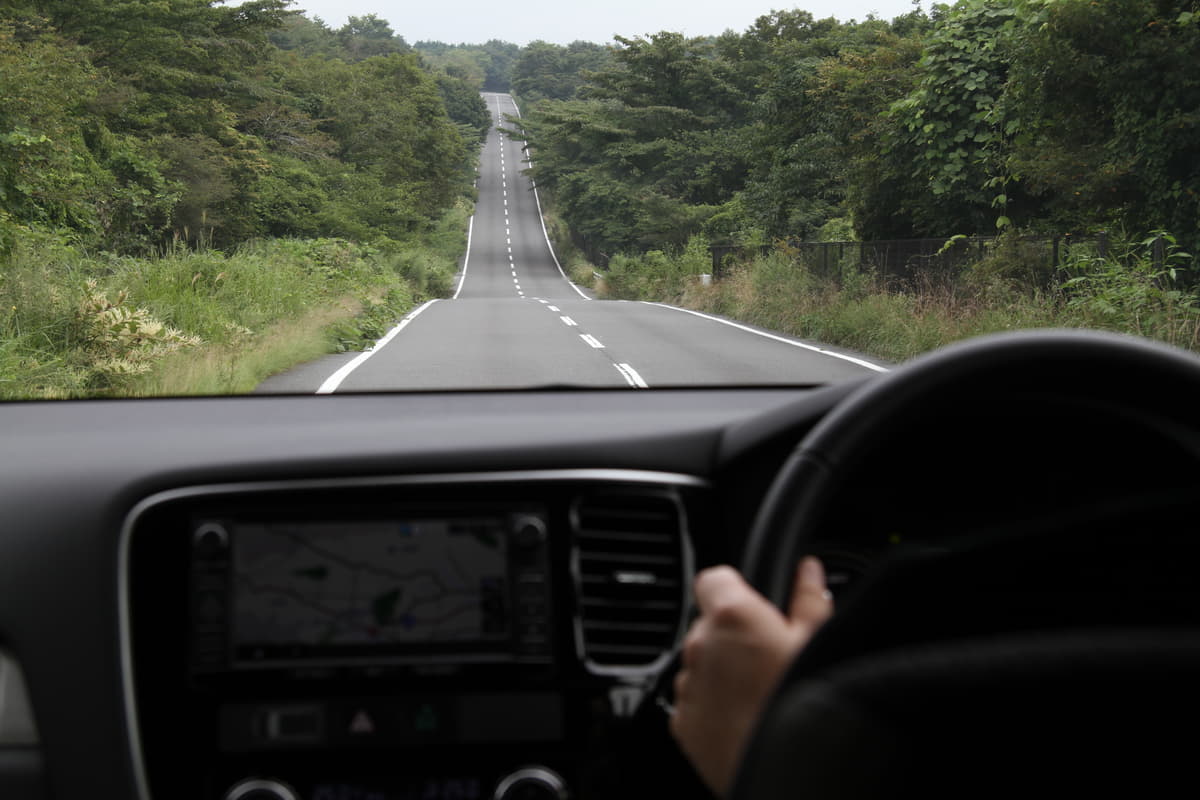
{"points": [[812, 603]]}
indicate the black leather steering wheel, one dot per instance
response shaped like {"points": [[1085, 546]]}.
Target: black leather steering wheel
{"points": [[1136, 376], [1053, 655]]}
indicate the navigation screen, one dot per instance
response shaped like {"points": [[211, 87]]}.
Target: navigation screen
{"points": [[305, 590]]}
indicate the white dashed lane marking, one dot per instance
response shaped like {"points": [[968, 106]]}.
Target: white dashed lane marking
{"points": [[631, 376]]}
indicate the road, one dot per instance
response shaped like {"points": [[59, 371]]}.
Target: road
{"points": [[515, 320]]}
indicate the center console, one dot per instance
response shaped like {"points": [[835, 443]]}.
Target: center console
{"points": [[432, 638]]}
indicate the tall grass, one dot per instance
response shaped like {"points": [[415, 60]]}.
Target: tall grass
{"points": [[80, 324], [1127, 291]]}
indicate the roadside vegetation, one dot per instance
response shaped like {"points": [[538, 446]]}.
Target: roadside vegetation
{"points": [[986, 117], [865, 311], [194, 321], [193, 196]]}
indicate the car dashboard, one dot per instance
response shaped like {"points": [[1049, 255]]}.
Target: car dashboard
{"points": [[479, 594], [378, 596]]}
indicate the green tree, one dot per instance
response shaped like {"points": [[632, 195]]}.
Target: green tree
{"points": [[855, 89], [388, 120], [1107, 102], [651, 151], [128, 124], [367, 36], [798, 179], [487, 66], [464, 105], [550, 71], [47, 173]]}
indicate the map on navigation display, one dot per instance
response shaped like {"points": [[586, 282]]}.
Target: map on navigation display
{"points": [[332, 587]]}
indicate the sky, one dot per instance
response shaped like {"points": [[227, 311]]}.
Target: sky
{"points": [[565, 21]]}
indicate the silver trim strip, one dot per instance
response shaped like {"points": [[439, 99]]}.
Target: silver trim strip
{"points": [[251, 785], [133, 731], [543, 776]]}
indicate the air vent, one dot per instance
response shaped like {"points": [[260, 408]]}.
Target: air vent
{"points": [[631, 563]]}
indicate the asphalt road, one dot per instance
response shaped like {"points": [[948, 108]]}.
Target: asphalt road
{"points": [[516, 321]]}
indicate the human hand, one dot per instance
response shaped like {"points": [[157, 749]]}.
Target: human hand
{"points": [[735, 653]]}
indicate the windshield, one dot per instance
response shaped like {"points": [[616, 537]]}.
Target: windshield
{"points": [[201, 197]]}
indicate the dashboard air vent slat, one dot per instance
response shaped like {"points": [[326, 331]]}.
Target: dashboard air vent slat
{"points": [[630, 564]]}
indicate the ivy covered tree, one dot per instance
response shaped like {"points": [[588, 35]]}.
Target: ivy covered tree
{"points": [[952, 128]]}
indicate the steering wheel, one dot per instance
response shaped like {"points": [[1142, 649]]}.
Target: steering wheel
{"points": [[930, 674], [1136, 377]]}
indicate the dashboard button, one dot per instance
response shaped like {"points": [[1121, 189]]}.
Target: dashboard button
{"points": [[529, 531], [376, 722], [365, 722], [294, 724], [246, 727], [361, 724], [428, 720]]}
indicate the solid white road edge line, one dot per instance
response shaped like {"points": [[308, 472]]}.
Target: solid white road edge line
{"points": [[466, 259], [860, 362], [549, 246], [631, 376], [542, 220], [335, 380]]}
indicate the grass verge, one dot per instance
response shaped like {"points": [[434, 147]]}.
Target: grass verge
{"points": [[1128, 292], [203, 322]]}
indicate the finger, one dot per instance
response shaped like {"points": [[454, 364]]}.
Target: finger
{"points": [[812, 602], [692, 643], [680, 685], [720, 586]]}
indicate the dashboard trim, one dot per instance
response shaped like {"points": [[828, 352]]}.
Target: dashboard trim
{"points": [[647, 478]]}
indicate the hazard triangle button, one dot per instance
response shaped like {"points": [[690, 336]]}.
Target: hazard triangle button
{"points": [[361, 723]]}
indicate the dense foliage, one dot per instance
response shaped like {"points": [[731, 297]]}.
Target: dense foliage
{"points": [[487, 67], [193, 195], [1042, 115], [549, 71], [127, 125]]}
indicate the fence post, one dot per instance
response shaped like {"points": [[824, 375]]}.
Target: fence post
{"points": [[1103, 244], [1159, 252]]}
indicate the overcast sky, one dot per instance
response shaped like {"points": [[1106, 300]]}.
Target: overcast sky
{"points": [[564, 21]]}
